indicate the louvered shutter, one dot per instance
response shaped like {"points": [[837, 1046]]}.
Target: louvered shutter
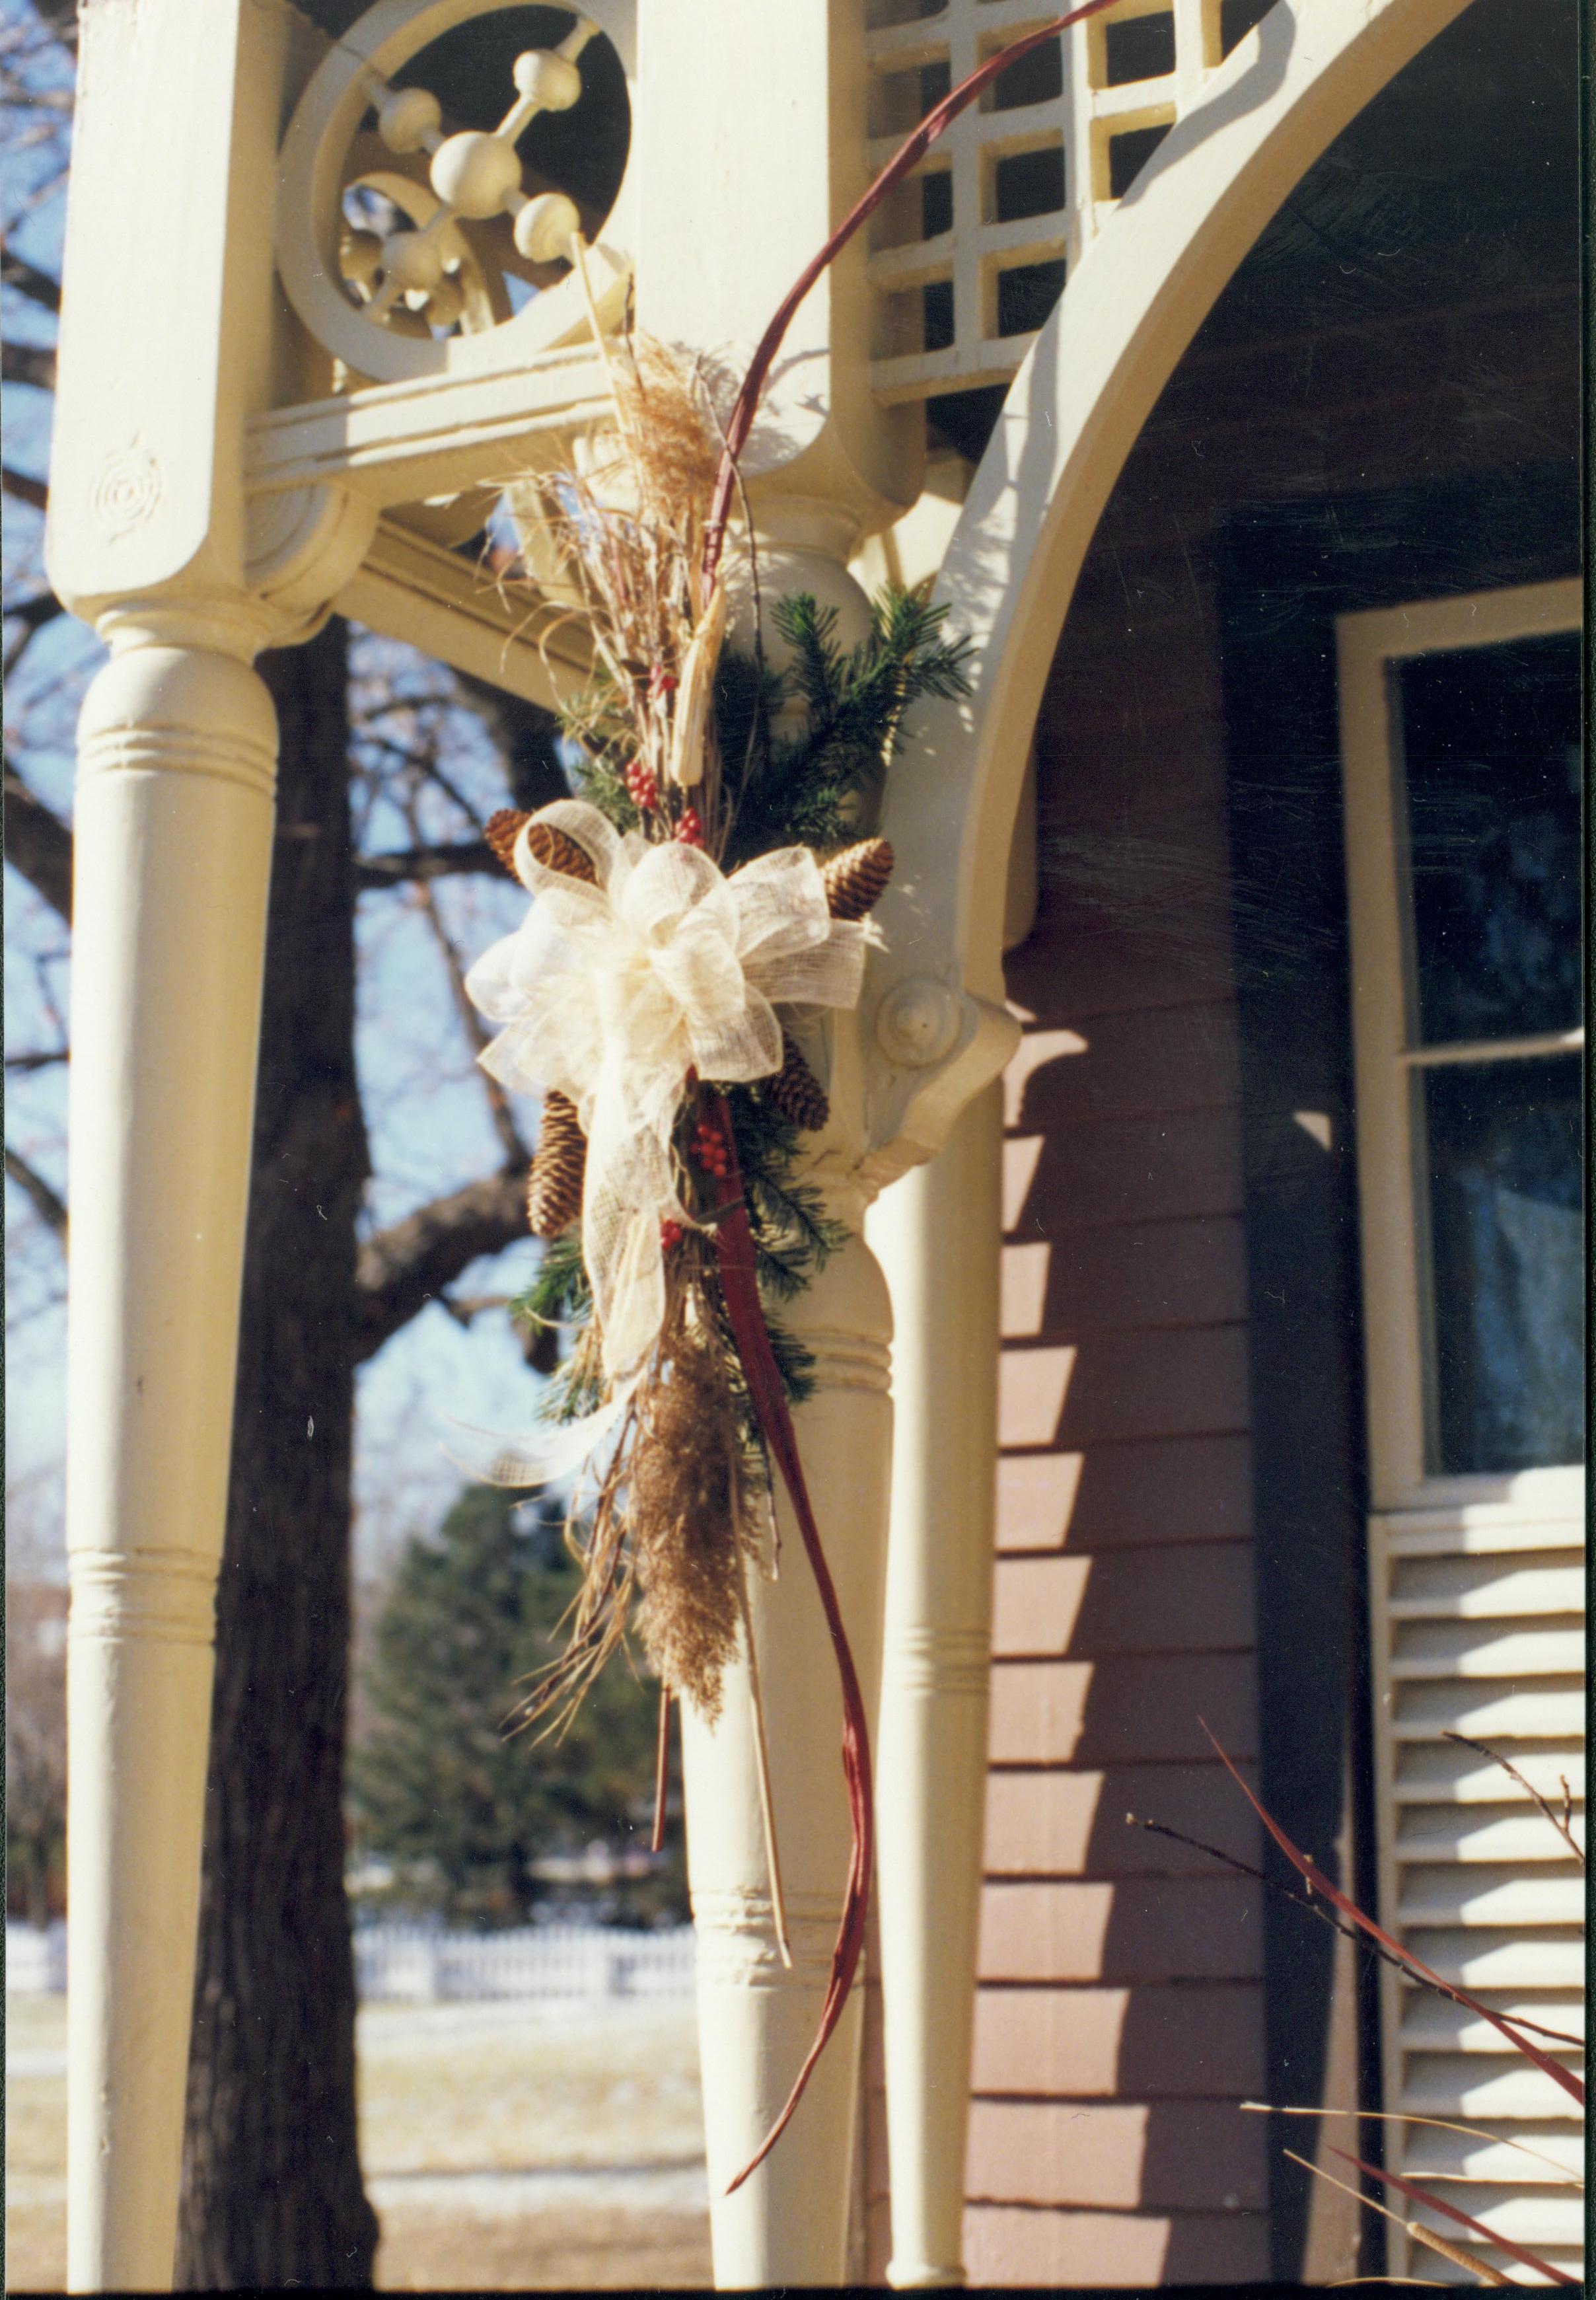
{"points": [[1478, 1629]]}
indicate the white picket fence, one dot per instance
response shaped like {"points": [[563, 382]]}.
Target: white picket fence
{"points": [[587, 1963], [418, 1964], [35, 1960]]}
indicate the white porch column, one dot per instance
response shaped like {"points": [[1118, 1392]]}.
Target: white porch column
{"points": [[937, 1233], [169, 335], [788, 2223], [178, 756]]}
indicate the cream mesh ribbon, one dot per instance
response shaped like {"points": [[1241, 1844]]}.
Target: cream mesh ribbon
{"points": [[612, 993]]}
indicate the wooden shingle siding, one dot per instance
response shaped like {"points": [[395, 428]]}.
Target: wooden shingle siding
{"points": [[1175, 1490], [1119, 2014], [1039, 2247], [1172, 2155]]}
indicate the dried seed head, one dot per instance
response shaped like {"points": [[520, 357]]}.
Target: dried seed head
{"points": [[684, 1518]]}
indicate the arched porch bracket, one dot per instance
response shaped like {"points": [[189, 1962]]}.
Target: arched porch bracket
{"points": [[1072, 415]]}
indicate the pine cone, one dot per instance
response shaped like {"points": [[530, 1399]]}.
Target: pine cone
{"points": [[501, 831], [554, 1185], [795, 1091], [856, 879], [549, 847]]}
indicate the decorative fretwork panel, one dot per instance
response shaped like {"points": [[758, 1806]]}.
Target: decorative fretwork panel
{"points": [[969, 255]]}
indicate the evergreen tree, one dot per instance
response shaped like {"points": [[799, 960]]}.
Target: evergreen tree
{"points": [[437, 1780]]}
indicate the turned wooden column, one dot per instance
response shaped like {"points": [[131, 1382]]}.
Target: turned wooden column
{"points": [[173, 834], [937, 1232]]}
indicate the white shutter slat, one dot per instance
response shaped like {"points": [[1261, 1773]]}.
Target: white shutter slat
{"points": [[1451, 1775], [1546, 1957], [1491, 1834], [1549, 1582], [1541, 2159], [1541, 2217], [1505, 1896], [1539, 1648], [1432, 2025], [1460, 2084], [1493, 1713]]}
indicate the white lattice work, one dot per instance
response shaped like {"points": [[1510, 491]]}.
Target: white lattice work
{"points": [[971, 254]]}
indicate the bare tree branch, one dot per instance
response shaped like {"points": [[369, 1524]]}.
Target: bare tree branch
{"points": [[38, 844], [16, 271], [60, 17], [26, 490], [50, 1209], [471, 1023], [31, 615], [32, 363], [408, 1264], [398, 870], [44, 1060], [526, 738]]}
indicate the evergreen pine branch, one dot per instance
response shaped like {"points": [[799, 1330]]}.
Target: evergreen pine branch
{"points": [[559, 1294], [793, 1235], [854, 707], [603, 787]]}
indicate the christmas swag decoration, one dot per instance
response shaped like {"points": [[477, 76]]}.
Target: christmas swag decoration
{"points": [[706, 887]]}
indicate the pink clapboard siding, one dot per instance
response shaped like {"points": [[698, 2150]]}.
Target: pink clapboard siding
{"points": [[1119, 2014]]}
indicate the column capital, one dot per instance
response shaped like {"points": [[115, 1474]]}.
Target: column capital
{"points": [[745, 175]]}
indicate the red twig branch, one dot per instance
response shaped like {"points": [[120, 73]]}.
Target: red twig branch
{"points": [[908, 156], [1306, 1867]]}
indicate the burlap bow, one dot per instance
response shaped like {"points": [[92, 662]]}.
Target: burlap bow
{"points": [[612, 993]]}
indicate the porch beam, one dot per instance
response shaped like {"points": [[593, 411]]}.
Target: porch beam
{"points": [[397, 442], [410, 588]]}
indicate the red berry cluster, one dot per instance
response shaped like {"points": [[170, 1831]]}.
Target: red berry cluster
{"points": [[660, 681], [672, 1235], [642, 788], [711, 1149], [689, 831]]}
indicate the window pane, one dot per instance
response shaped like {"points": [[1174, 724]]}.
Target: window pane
{"points": [[1491, 738], [1506, 1262]]}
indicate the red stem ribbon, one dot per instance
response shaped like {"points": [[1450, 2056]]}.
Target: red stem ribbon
{"points": [[908, 155], [739, 1284]]}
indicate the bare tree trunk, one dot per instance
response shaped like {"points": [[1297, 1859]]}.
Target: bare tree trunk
{"points": [[272, 2192]]}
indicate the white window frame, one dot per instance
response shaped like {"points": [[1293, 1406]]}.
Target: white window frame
{"points": [[1473, 1557], [1386, 1045]]}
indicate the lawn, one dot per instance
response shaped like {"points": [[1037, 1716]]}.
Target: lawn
{"points": [[505, 2145]]}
